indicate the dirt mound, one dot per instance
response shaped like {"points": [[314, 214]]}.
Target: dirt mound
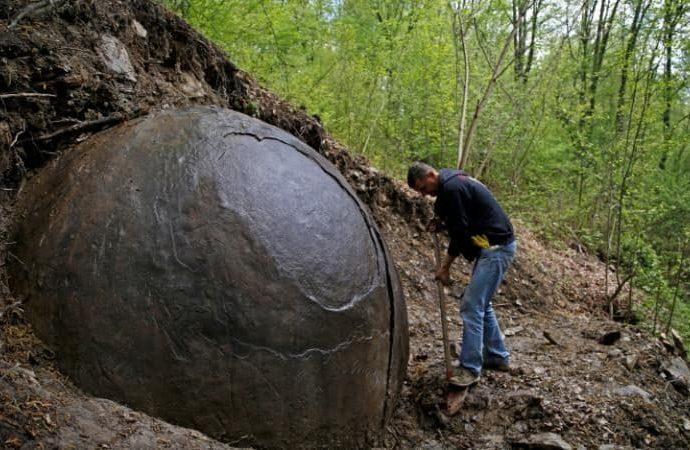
{"points": [[85, 65], [64, 75]]}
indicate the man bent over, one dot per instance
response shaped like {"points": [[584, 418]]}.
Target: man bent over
{"points": [[480, 230]]}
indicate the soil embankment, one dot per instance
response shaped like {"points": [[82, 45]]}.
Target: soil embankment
{"points": [[72, 69]]}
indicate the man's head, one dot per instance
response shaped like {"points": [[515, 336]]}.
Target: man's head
{"points": [[423, 178]]}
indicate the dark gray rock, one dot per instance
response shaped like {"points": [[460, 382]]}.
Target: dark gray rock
{"points": [[678, 373], [678, 343], [210, 269], [610, 338]]}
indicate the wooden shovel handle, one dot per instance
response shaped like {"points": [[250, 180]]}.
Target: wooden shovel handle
{"points": [[442, 304]]}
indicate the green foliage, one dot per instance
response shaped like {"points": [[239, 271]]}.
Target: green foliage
{"points": [[590, 145]]}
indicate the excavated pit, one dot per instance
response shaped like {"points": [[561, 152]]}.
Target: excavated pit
{"points": [[212, 270]]}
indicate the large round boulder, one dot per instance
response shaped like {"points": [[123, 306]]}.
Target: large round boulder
{"points": [[210, 269]]}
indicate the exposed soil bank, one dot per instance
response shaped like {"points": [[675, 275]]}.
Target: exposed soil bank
{"points": [[73, 56]]}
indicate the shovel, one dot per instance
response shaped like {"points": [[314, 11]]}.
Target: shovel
{"points": [[455, 395]]}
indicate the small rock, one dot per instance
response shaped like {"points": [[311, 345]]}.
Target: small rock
{"points": [[116, 58], [520, 426], [631, 362], [191, 86], [614, 353], [679, 374], [544, 441], [382, 199], [431, 445], [513, 330], [632, 391], [139, 29], [549, 337], [678, 343], [495, 440], [686, 424], [667, 343], [610, 338], [614, 447]]}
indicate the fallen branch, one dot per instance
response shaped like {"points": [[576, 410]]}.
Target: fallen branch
{"points": [[16, 137], [26, 94], [81, 126], [620, 287], [34, 8]]}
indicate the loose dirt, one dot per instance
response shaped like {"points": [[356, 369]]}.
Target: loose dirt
{"points": [[590, 395]]}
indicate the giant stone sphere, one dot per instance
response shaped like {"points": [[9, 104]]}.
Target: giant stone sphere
{"points": [[210, 269]]}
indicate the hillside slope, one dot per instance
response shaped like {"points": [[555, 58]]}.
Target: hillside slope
{"points": [[588, 393]]}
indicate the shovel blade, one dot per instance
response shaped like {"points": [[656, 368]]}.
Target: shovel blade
{"points": [[454, 400]]}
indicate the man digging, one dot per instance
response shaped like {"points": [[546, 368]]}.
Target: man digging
{"points": [[480, 230]]}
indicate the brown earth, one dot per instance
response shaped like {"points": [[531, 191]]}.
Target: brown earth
{"points": [[577, 388]]}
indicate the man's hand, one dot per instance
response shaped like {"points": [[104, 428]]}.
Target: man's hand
{"points": [[443, 275], [481, 241], [443, 272]]}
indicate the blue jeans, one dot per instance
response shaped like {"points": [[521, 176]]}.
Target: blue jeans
{"points": [[481, 335]]}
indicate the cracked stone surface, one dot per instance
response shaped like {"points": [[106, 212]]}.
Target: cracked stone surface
{"points": [[212, 270]]}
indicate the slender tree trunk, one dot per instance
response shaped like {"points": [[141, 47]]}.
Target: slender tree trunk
{"points": [[519, 38], [657, 301], [641, 7], [497, 72], [535, 22], [628, 169], [676, 288], [460, 43], [657, 297], [668, 31]]}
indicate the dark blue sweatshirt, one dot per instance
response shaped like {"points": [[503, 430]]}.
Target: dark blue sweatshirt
{"points": [[469, 209]]}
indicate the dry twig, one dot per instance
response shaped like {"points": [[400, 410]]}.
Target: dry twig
{"points": [[16, 137], [34, 8], [81, 126], [25, 94]]}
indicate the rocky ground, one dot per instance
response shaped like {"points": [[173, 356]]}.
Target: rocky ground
{"points": [[94, 64], [588, 381]]}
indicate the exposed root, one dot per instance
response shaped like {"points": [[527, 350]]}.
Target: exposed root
{"points": [[33, 9]]}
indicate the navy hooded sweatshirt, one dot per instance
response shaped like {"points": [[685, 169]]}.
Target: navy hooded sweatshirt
{"points": [[468, 208]]}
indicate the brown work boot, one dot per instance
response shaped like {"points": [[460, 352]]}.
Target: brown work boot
{"points": [[463, 378], [500, 365]]}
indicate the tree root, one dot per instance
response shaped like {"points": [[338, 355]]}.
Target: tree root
{"points": [[25, 94], [81, 126], [33, 9]]}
